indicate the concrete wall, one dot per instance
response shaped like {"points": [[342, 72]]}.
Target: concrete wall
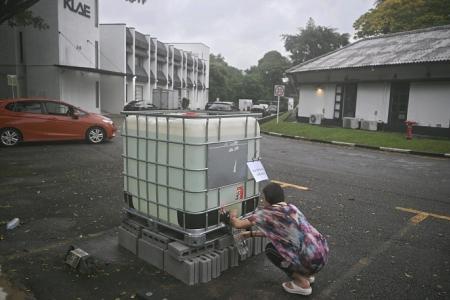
{"points": [[40, 53], [372, 101], [429, 103], [7, 59], [112, 94], [313, 100], [112, 45], [78, 88], [78, 35], [43, 82]]}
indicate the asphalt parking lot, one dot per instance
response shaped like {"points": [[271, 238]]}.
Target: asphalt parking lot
{"points": [[386, 217]]}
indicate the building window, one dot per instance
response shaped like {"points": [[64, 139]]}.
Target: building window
{"points": [[96, 54], [97, 94]]}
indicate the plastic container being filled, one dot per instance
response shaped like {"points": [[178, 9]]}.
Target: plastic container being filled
{"points": [[180, 169]]}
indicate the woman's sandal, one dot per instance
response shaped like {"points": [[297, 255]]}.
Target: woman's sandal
{"points": [[296, 289]]}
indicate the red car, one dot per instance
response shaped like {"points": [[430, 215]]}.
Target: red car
{"points": [[49, 120]]}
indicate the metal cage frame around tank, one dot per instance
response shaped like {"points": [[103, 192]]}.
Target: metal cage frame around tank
{"points": [[190, 236]]}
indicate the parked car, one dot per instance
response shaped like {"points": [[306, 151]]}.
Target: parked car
{"points": [[259, 109], [208, 105], [48, 120], [222, 106], [272, 109], [138, 105]]}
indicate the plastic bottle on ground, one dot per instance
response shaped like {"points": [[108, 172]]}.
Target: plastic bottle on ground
{"points": [[12, 224]]}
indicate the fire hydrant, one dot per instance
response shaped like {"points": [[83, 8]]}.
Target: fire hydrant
{"points": [[409, 129]]}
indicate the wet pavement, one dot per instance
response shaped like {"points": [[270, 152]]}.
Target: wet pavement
{"points": [[71, 194]]}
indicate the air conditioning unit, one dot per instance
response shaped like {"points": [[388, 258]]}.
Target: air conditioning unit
{"points": [[315, 119], [369, 125], [352, 123]]}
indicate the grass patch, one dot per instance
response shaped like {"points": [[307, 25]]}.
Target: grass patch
{"points": [[379, 139]]}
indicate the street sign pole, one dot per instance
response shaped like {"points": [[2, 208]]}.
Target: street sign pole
{"points": [[12, 82], [278, 108], [278, 91]]}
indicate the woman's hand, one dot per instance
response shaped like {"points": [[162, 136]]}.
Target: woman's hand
{"points": [[233, 213]]}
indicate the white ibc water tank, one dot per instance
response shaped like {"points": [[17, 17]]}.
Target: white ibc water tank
{"points": [[178, 168]]}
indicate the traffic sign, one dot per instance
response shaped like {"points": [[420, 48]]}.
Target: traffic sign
{"points": [[12, 80], [279, 90]]}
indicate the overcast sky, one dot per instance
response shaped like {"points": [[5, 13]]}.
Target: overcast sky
{"points": [[241, 30]]}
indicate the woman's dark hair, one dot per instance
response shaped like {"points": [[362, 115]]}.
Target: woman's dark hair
{"points": [[273, 193]]}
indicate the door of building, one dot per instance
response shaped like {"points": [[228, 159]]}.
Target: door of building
{"points": [[398, 105], [349, 103]]}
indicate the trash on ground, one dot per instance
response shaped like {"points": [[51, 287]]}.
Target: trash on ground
{"points": [[80, 260], [13, 224]]}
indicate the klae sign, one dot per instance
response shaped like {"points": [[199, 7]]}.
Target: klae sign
{"points": [[78, 8]]}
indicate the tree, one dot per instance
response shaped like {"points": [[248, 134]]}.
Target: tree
{"points": [[17, 13], [224, 80], [402, 15], [313, 41], [267, 73]]}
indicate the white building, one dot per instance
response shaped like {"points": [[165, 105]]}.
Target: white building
{"points": [[60, 62], [157, 72], [386, 80], [99, 67]]}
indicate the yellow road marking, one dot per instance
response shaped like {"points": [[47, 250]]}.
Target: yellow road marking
{"points": [[418, 218], [285, 184], [422, 215]]}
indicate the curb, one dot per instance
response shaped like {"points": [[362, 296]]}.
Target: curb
{"points": [[388, 149]]}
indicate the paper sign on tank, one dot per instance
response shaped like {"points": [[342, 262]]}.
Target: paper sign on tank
{"points": [[257, 170]]}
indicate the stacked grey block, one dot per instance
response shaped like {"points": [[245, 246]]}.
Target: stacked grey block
{"points": [[191, 265], [129, 233]]}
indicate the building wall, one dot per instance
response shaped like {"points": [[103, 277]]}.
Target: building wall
{"points": [[112, 93], [429, 103], [40, 54], [112, 45], [78, 34], [372, 101], [78, 89], [198, 97], [43, 82], [7, 59], [313, 100]]}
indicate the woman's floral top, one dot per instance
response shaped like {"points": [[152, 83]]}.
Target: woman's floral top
{"points": [[296, 240]]}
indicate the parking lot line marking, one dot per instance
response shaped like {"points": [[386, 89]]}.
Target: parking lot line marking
{"points": [[421, 215], [363, 263], [286, 184], [418, 218]]}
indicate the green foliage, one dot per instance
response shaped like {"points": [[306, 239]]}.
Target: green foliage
{"points": [[26, 18], [229, 84], [313, 41], [390, 16], [224, 80]]}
